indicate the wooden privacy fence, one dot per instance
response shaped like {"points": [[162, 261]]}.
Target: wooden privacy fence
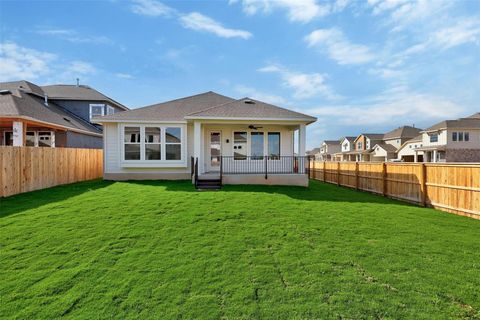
{"points": [[24, 169], [449, 187]]}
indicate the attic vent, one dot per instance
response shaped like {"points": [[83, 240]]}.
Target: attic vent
{"points": [[5, 92], [66, 119], [248, 101]]}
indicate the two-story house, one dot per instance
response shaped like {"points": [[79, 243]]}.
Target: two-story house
{"points": [[452, 141], [392, 141], [52, 116], [364, 144], [347, 147], [328, 149]]}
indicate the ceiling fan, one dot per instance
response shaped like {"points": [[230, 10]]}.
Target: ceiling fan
{"points": [[254, 127]]}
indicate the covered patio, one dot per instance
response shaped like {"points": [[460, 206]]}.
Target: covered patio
{"points": [[20, 133]]}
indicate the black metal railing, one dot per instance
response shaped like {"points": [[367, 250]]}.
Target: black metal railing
{"points": [[194, 170], [264, 165]]}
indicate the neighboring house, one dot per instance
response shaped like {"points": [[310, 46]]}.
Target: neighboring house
{"points": [[241, 141], [392, 141], [328, 149], [315, 153], [408, 153], [364, 144], [452, 141], [52, 116], [347, 147]]}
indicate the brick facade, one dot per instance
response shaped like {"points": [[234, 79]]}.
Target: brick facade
{"points": [[462, 155]]}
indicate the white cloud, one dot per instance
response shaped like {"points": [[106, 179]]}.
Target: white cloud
{"points": [[18, 62], [123, 75], [304, 85], [297, 10], [465, 31], [262, 96], [393, 106], [151, 8], [80, 68], [73, 36], [338, 47], [199, 22], [403, 13]]}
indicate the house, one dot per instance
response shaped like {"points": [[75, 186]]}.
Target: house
{"points": [[452, 141], [392, 141], [328, 149], [408, 153], [52, 116], [347, 146], [209, 136], [315, 153], [364, 144]]}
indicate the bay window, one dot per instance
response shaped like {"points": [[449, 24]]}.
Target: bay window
{"points": [[152, 143], [132, 143], [173, 144]]}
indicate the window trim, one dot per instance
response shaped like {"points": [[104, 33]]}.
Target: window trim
{"points": [[97, 105], [279, 145], [163, 163], [109, 107]]}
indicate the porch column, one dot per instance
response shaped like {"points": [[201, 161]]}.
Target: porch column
{"points": [[197, 144], [19, 132], [302, 137], [434, 156], [415, 156]]}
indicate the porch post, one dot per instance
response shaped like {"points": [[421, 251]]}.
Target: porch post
{"points": [[18, 129], [434, 156], [302, 137], [415, 156], [197, 143]]}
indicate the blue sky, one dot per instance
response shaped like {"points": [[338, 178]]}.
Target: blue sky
{"points": [[359, 66]]}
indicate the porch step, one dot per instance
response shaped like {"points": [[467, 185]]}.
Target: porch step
{"points": [[209, 184]]}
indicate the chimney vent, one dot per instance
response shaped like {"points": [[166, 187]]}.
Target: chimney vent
{"points": [[78, 82], [46, 99]]}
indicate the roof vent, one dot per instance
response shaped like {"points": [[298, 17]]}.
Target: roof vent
{"points": [[5, 92], [248, 101], [67, 119]]}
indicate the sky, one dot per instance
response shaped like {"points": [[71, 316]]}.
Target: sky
{"points": [[358, 66]]}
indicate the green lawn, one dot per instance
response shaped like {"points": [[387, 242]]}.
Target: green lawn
{"points": [[163, 250]]}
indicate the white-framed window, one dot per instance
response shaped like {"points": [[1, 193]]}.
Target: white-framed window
{"points": [[274, 145], [110, 110], [240, 145], [131, 142], [460, 136], [257, 145], [173, 143], [96, 110], [152, 144], [434, 137]]}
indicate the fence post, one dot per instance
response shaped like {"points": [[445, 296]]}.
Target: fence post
{"points": [[338, 173], [384, 179], [356, 175], [423, 186], [324, 171]]}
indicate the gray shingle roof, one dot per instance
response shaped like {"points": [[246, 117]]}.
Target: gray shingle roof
{"points": [[207, 105], [81, 92], [404, 132], [471, 122], [250, 108], [21, 104], [350, 139], [22, 85], [331, 142], [174, 110], [385, 146]]}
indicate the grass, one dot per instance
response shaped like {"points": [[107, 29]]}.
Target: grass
{"points": [[162, 250]]}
